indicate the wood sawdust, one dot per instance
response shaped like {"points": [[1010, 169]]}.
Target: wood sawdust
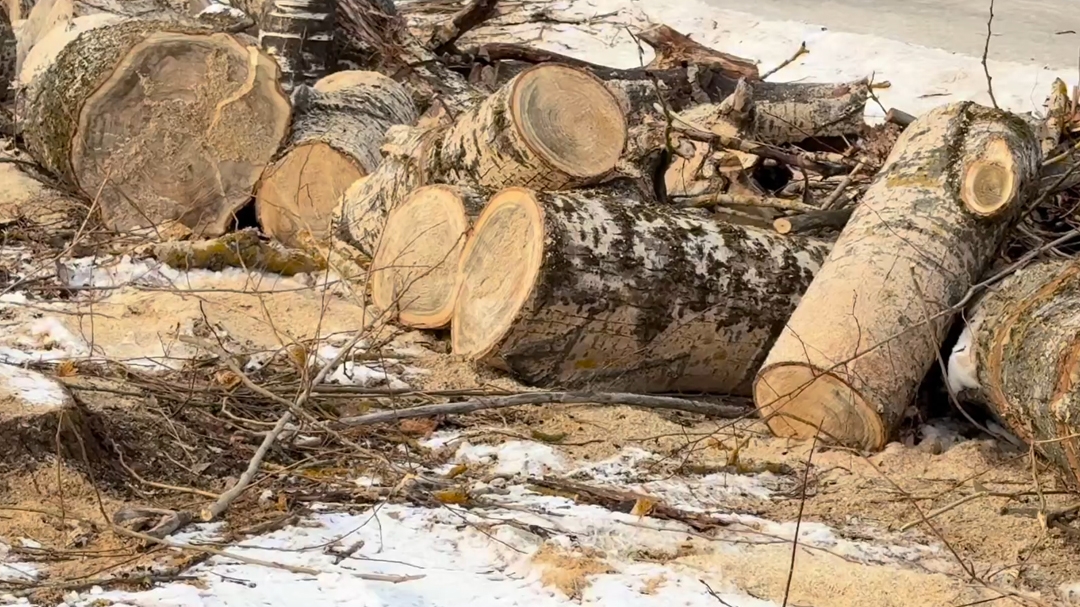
{"points": [[569, 572]]}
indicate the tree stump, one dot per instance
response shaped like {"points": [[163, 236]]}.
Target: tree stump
{"points": [[336, 135], [869, 327], [415, 270], [38, 416], [1020, 354], [596, 288], [156, 121]]}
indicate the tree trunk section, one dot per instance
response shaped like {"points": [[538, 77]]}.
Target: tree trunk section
{"points": [[552, 127], [38, 417], [870, 326], [813, 220], [415, 269], [157, 121], [1020, 353], [595, 288], [337, 132], [299, 34]]}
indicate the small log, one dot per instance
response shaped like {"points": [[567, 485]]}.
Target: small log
{"points": [[1020, 354], [243, 249], [868, 329], [337, 132], [674, 49], [899, 117], [594, 287], [173, 121], [300, 35], [39, 416], [415, 269], [779, 114], [552, 127], [814, 220]]}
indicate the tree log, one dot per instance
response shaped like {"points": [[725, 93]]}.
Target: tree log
{"points": [[155, 120], [415, 269], [300, 35], [594, 287], [552, 126], [869, 327], [674, 49], [813, 220], [1020, 354], [38, 416], [337, 132]]}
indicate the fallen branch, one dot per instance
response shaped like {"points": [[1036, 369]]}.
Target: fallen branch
{"points": [[833, 201], [802, 50], [814, 220], [802, 161], [447, 33], [709, 200], [546, 398]]}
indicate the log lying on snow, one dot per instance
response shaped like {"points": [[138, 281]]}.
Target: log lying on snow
{"points": [[337, 131], [1020, 354], [595, 287], [415, 269], [869, 327], [155, 120], [38, 415], [552, 127]]}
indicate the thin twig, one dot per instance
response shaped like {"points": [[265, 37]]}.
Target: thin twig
{"points": [[799, 53], [986, 51], [798, 520]]}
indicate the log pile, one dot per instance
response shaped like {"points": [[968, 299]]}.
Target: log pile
{"points": [[681, 226]]}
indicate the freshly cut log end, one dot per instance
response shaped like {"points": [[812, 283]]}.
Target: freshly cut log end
{"points": [[1025, 346], [990, 183], [415, 270], [336, 135], [798, 401], [170, 121], [551, 127], [37, 411], [871, 324], [594, 287]]}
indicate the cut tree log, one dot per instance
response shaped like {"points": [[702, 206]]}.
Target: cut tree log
{"points": [[157, 121], [552, 126], [338, 129], [835, 219], [595, 287], [869, 327], [300, 35], [39, 416], [415, 269], [1020, 354]]}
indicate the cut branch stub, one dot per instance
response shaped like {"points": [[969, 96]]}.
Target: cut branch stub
{"points": [[1020, 353], [415, 270], [158, 121], [551, 127], [595, 287], [337, 132], [870, 326]]}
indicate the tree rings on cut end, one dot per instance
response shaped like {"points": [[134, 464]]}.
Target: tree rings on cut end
{"points": [[795, 398], [569, 118], [499, 267], [415, 269], [180, 130], [990, 183], [298, 194]]}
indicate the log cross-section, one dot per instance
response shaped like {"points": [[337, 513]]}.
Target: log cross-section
{"points": [[594, 287], [868, 329]]}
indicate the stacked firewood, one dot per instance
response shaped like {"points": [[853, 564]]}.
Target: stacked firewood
{"points": [[683, 226]]}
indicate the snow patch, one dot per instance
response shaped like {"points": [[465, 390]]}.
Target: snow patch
{"points": [[31, 387], [513, 458], [963, 372]]}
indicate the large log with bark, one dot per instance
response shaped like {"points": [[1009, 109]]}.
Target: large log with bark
{"points": [[596, 287], [551, 127], [415, 270], [300, 35], [868, 329], [338, 129], [1020, 354], [155, 120]]}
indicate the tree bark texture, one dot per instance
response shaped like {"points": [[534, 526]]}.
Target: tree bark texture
{"points": [[1022, 358], [300, 36], [338, 129], [869, 327], [415, 270], [157, 121], [594, 287]]}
